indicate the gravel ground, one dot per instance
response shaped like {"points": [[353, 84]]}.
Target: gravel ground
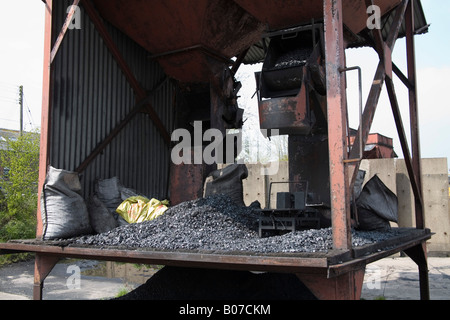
{"points": [[216, 223]]}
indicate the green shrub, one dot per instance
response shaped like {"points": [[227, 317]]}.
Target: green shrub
{"points": [[18, 202]]}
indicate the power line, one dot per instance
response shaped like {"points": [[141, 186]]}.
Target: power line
{"points": [[10, 120], [8, 95], [29, 114], [7, 92], [17, 98], [5, 84], [7, 99]]}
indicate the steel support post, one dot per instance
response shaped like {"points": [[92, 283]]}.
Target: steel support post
{"points": [[403, 141], [337, 124], [347, 286], [43, 265], [414, 114], [419, 255], [46, 111]]}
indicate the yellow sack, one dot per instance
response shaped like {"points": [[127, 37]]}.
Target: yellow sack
{"points": [[139, 209]]}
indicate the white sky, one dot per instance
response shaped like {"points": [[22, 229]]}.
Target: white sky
{"points": [[433, 70], [21, 63]]}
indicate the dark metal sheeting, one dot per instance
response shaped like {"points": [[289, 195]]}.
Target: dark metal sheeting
{"points": [[257, 52], [420, 26], [89, 98]]}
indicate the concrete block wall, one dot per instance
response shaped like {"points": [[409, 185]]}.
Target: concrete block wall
{"points": [[256, 186], [435, 198], [384, 168], [394, 175]]}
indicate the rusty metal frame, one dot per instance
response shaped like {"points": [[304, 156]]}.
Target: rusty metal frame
{"points": [[405, 12], [43, 265], [347, 286], [418, 254], [383, 75], [44, 152], [377, 85], [337, 124], [317, 272], [240, 58], [414, 116]]}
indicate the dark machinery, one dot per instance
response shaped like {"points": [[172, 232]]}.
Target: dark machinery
{"points": [[291, 96], [292, 212]]}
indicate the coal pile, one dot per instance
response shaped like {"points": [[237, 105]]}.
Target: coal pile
{"points": [[293, 58], [216, 224], [212, 223]]}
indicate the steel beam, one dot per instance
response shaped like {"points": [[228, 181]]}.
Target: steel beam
{"points": [[402, 77], [403, 141], [44, 151], [43, 265], [375, 90], [240, 58], [414, 114], [347, 286], [380, 46], [337, 124], [418, 254]]}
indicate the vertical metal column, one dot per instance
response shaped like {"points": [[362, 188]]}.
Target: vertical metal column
{"points": [[347, 286], [46, 110], [413, 109], [337, 141], [43, 265], [418, 253]]}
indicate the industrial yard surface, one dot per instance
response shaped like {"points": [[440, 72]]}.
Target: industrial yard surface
{"points": [[390, 278]]}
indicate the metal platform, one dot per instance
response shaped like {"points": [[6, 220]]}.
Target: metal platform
{"points": [[286, 220], [316, 270]]}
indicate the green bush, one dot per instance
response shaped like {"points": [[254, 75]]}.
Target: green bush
{"points": [[18, 202]]}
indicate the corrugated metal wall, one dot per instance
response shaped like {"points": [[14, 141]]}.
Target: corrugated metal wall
{"points": [[90, 96]]}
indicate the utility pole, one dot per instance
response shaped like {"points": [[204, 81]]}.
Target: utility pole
{"points": [[21, 109]]}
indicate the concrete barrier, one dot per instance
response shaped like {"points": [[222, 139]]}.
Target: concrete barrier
{"points": [[436, 202]]}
